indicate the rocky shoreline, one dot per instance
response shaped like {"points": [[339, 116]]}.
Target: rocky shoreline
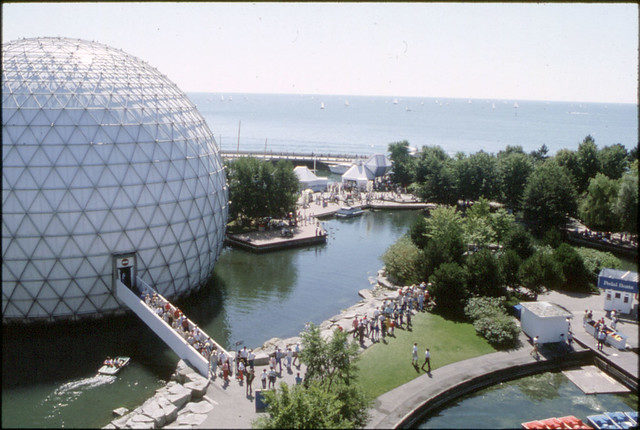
{"points": [[182, 402]]}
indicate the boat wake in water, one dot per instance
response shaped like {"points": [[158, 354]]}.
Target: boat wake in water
{"points": [[69, 392]]}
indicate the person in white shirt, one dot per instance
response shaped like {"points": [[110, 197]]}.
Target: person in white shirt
{"points": [[414, 354], [427, 360], [251, 358], [213, 364]]}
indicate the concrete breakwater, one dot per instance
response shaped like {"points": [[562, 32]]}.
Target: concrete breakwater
{"points": [[183, 401]]}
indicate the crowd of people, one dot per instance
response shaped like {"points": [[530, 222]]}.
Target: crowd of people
{"points": [[392, 314], [174, 317], [619, 239]]}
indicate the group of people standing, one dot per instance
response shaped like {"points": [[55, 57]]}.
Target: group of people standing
{"points": [[392, 313]]}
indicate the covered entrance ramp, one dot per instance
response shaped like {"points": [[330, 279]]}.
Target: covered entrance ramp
{"points": [[130, 290]]}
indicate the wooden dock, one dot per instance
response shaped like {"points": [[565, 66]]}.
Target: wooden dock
{"points": [[272, 240]]}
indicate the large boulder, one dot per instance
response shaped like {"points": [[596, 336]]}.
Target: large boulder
{"points": [[198, 385]]}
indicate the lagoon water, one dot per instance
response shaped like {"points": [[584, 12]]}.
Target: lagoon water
{"points": [[369, 124], [49, 373], [537, 397]]}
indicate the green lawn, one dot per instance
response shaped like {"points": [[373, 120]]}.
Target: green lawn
{"points": [[384, 367]]}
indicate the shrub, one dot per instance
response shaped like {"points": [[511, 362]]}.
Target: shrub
{"points": [[484, 274], [595, 261], [481, 307], [402, 262], [500, 330]]}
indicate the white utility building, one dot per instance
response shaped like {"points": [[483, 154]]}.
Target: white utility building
{"points": [[545, 320]]}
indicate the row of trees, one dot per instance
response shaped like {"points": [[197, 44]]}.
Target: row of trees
{"points": [[545, 188], [258, 189], [452, 253]]}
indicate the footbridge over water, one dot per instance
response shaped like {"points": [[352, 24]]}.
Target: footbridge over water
{"points": [[296, 157], [131, 295]]}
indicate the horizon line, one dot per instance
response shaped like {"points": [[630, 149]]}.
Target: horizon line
{"points": [[512, 99]]}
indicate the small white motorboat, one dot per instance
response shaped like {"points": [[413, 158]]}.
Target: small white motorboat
{"points": [[113, 366]]}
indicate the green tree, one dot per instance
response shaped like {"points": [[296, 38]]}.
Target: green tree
{"points": [[514, 170], [540, 154], [539, 271], [613, 160], [478, 229], [403, 262], [588, 162], [477, 175], [520, 241], [569, 160], [575, 274], [434, 176], [597, 208], [257, 189], [445, 238], [301, 407], [484, 274], [502, 223], [403, 163], [510, 263], [449, 288], [549, 196], [418, 232], [626, 203], [329, 398]]}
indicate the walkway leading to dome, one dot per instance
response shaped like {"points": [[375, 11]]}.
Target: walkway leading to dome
{"points": [[159, 326]]}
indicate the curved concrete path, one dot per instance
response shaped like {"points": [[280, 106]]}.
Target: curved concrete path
{"points": [[393, 407]]}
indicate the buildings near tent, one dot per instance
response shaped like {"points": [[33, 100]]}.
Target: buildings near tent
{"points": [[379, 164], [102, 154], [620, 288], [308, 179], [545, 320], [358, 175]]}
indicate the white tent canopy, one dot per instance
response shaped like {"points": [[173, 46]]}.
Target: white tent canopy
{"points": [[379, 164], [359, 174], [308, 179]]}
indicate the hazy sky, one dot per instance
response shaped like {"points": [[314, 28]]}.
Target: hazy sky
{"points": [[572, 52]]}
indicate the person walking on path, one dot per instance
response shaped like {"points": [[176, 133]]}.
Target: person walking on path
{"points": [[241, 368], [296, 353], [427, 360], [414, 354], [213, 364], [289, 359], [534, 351], [251, 357], [279, 359], [250, 377], [225, 370]]}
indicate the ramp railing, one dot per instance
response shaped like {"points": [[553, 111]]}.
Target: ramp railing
{"points": [[159, 326]]}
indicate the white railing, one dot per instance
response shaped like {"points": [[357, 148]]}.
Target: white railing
{"points": [[179, 345]]}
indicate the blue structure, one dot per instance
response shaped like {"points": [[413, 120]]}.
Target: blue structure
{"points": [[620, 287]]}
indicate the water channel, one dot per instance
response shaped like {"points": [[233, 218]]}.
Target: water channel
{"points": [[537, 397], [49, 372]]}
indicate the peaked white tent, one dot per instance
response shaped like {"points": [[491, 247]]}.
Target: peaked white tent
{"points": [[379, 164], [358, 174], [308, 179]]}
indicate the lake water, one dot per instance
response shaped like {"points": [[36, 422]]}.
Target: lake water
{"points": [[369, 124], [49, 372], [537, 397]]}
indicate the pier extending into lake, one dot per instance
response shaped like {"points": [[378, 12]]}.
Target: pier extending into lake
{"points": [[296, 157]]}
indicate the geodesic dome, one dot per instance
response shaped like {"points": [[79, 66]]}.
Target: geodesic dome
{"points": [[101, 154]]}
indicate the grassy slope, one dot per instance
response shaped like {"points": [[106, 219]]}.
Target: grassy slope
{"points": [[384, 367]]}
